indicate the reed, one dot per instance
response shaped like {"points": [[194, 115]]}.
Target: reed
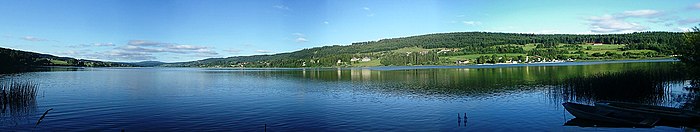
{"points": [[17, 95], [642, 86]]}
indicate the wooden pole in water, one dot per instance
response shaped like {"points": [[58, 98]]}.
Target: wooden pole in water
{"points": [[265, 127]]}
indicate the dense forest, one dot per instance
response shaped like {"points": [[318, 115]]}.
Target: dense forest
{"points": [[16, 60], [546, 45]]}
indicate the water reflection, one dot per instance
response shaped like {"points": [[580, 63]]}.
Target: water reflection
{"points": [[562, 83], [39, 69], [462, 121], [579, 122]]}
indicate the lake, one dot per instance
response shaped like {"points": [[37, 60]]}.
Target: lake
{"points": [[494, 98]]}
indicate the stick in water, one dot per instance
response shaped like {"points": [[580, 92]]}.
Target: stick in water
{"points": [[42, 117]]}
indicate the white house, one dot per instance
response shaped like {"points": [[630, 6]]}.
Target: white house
{"points": [[366, 59]]}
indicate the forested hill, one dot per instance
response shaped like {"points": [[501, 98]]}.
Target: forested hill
{"points": [[15, 59], [459, 43]]}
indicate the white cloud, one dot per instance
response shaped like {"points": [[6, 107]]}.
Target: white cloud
{"points": [[119, 55], [641, 13], [366, 8], [300, 38], [102, 44], [263, 51], [282, 7], [610, 24], [233, 51], [144, 43], [298, 34], [137, 50], [32, 38], [471, 23], [619, 23], [125, 55], [92, 45], [683, 29], [143, 46], [325, 22], [548, 32]]}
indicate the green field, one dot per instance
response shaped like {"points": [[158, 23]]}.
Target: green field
{"points": [[409, 49], [59, 62], [474, 56], [374, 62]]}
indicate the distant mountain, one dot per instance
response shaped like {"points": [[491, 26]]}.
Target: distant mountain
{"points": [[457, 43], [148, 63], [11, 59]]}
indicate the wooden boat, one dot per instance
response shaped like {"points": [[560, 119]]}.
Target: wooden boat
{"points": [[595, 114], [666, 114]]}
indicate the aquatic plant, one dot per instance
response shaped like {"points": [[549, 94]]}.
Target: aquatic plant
{"points": [[642, 86], [18, 96]]}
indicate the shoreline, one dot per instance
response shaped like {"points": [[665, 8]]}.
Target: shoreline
{"points": [[382, 68], [576, 63]]}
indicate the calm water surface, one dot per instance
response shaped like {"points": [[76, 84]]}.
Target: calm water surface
{"points": [[375, 99]]}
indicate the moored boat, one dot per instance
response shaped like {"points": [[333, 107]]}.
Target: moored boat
{"points": [[666, 114], [595, 114]]}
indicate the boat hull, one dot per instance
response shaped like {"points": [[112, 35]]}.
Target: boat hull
{"points": [[665, 114], [593, 113]]}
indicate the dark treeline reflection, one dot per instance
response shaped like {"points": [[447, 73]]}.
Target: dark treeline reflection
{"points": [[586, 83], [38, 69]]}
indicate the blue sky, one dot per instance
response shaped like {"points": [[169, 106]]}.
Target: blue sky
{"points": [[186, 30]]}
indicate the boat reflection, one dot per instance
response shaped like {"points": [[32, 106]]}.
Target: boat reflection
{"points": [[580, 122]]}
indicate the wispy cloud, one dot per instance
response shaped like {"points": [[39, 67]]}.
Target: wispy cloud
{"points": [[641, 13], [369, 11], [233, 51], [611, 24], [683, 29], [281, 7], [144, 43], [92, 45], [102, 44], [126, 55], [136, 50], [117, 55], [618, 23], [300, 38], [471, 23], [32, 38], [688, 21], [326, 22], [263, 51], [695, 6]]}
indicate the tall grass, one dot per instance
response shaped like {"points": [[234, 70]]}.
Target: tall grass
{"points": [[641, 86], [18, 96]]}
